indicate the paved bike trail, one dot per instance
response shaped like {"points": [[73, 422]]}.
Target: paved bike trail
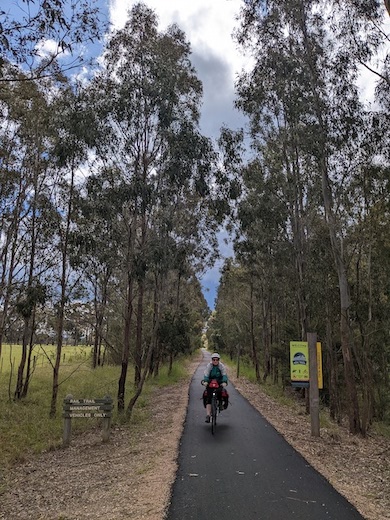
{"points": [[246, 471]]}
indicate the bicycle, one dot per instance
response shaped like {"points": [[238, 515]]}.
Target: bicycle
{"points": [[217, 402], [214, 405]]}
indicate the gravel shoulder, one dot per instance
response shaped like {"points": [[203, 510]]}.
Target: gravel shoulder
{"points": [[131, 476]]}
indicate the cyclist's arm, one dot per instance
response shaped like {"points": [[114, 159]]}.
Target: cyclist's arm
{"points": [[224, 374], [206, 375]]}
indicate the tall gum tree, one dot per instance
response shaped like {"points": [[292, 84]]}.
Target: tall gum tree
{"points": [[69, 151], [147, 100]]}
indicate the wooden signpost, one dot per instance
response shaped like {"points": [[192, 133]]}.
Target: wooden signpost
{"points": [[87, 408], [313, 389]]}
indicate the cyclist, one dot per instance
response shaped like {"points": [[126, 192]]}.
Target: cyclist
{"points": [[214, 370]]}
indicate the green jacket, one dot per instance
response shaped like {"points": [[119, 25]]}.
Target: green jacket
{"points": [[217, 372]]}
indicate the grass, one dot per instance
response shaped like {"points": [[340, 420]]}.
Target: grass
{"points": [[25, 426], [44, 355], [382, 429]]}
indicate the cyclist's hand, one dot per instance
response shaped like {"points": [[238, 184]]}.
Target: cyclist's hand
{"points": [[205, 383], [223, 384]]}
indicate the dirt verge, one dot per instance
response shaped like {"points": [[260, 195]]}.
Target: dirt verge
{"points": [[131, 476]]}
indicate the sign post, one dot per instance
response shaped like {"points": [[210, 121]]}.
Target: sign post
{"points": [[87, 408], [313, 390]]}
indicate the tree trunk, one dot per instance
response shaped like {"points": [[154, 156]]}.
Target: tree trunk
{"points": [[29, 369], [156, 321], [97, 316], [126, 345], [170, 364], [255, 359], [266, 338], [334, 401], [138, 340], [100, 310], [60, 333], [22, 363], [128, 315], [296, 210], [62, 302], [10, 245], [349, 373]]}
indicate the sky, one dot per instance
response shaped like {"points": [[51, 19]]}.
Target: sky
{"points": [[208, 26]]}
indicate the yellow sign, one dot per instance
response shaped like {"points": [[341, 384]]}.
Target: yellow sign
{"points": [[319, 367], [299, 361]]}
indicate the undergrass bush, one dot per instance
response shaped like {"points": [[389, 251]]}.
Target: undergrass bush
{"points": [[279, 394], [165, 379], [249, 373]]}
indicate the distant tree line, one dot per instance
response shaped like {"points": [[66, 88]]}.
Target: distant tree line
{"points": [[312, 247]]}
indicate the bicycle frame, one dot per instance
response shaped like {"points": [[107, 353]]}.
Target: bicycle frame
{"points": [[215, 397]]}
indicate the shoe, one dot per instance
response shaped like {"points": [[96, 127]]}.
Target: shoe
{"points": [[207, 418]]}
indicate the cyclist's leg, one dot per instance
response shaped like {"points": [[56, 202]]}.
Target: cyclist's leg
{"points": [[208, 404], [219, 397], [214, 413]]}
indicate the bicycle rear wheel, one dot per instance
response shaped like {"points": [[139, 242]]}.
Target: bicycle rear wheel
{"points": [[213, 414]]}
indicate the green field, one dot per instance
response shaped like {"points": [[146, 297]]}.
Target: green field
{"points": [[25, 426], [43, 355]]}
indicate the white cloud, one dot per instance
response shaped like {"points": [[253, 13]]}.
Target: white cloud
{"points": [[48, 48], [208, 25]]}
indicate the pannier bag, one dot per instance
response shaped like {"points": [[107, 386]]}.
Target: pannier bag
{"points": [[224, 395]]}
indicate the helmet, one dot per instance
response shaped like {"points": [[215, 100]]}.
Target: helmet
{"points": [[215, 355]]}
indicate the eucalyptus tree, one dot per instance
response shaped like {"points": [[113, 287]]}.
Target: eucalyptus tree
{"points": [[360, 28], [301, 97], [69, 151], [12, 190], [370, 270], [182, 320], [95, 245], [27, 25], [34, 133], [25, 138], [147, 97], [229, 330], [276, 204]]}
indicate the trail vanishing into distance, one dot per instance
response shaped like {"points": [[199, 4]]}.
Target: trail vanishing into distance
{"points": [[246, 470]]}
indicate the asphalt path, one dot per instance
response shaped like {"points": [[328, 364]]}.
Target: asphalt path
{"points": [[246, 471]]}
